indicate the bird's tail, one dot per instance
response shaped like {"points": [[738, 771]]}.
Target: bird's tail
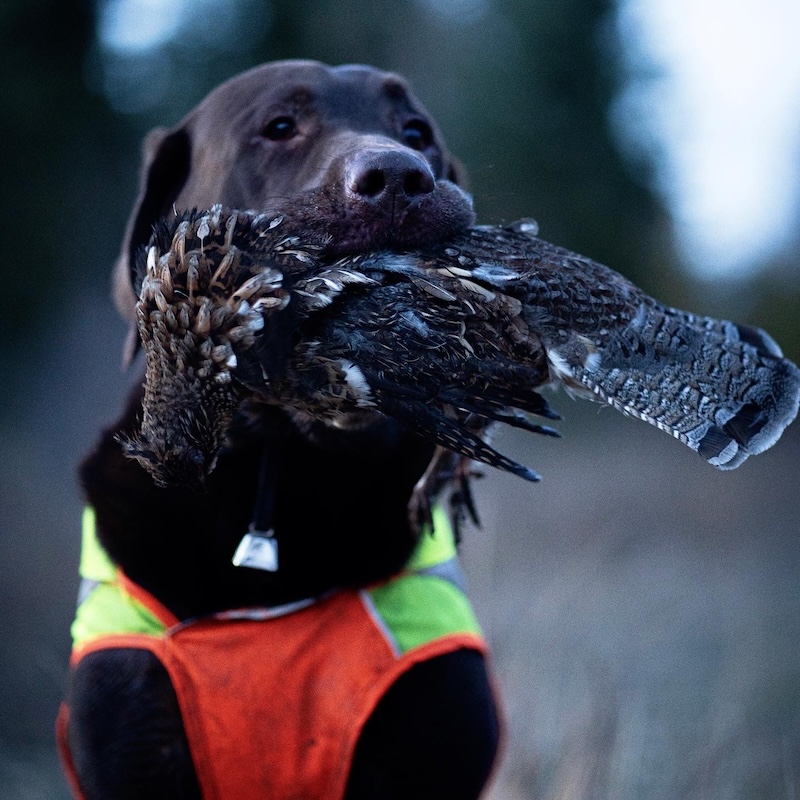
{"points": [[723, 389]]}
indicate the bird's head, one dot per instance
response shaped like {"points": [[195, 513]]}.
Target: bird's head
{"points": [[180, 439], [208, 288]]}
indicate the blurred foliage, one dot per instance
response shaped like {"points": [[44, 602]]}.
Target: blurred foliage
{"points": [[522, 91]]}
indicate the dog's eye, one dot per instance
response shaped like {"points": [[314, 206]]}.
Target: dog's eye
{"points": [[417, 134], [279, 129]]}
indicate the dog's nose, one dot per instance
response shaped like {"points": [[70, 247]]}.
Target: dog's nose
{"points": [[388, 177]]}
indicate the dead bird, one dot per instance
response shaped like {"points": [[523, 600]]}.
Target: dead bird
{"points": [[240, 306]]}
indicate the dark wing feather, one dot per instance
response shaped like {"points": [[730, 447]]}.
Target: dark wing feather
{"points": [[452, 434]]}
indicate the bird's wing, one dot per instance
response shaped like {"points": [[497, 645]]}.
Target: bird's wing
{"points": [[723, 389]]}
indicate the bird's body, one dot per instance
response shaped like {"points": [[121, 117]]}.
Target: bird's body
{"points": [[238, 305]]}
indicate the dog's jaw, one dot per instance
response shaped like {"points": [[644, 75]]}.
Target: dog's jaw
{"points": [[431, 218], [350, 228]]}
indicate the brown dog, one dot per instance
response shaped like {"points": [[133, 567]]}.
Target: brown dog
{"points": [[265, 138], [352, 149]]}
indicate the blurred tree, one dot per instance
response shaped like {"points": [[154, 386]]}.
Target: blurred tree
{"points": [[51, 126]]}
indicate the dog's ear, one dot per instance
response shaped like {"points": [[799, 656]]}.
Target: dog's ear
{"points": [[165, 169], [166, 161]]}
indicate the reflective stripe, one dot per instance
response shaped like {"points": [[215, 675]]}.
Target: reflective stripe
{"points": [[376, 616], [85, 588], [449, 571], [260, 613]]}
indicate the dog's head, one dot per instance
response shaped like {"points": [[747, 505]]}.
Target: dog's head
{"points": [[349, 148]]}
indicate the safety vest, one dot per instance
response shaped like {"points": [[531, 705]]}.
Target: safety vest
{"points": [[273, 700]]}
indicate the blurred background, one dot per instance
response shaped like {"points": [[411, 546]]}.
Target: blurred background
{"points": [[643, 608]]}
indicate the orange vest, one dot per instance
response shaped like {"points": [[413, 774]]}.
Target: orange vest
{"points": [[273, 701]]}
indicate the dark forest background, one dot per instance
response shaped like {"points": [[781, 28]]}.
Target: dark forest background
{"points": [[642, 608]]}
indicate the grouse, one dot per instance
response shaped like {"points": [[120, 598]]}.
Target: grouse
{"points": [[239, 307]]}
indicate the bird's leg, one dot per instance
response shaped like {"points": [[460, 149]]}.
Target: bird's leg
{"points": [[440, 471], [447, 467], [462, 501]]}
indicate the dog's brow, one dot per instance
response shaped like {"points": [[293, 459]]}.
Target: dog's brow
{"points": [[299, 96], [394, 89]]}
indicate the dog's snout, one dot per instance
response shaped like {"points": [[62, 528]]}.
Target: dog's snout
{"points": [[387, 195], [388, 176]]}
